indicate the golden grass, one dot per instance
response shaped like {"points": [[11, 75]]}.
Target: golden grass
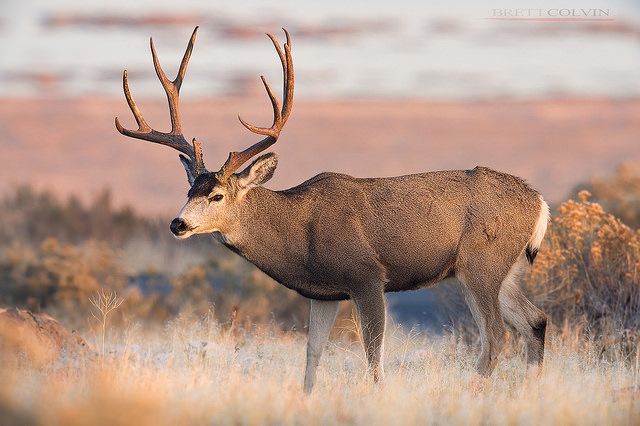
{"points": [[196, 372]]}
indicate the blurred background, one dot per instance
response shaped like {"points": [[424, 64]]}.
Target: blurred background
{"points": [[382, 89]]}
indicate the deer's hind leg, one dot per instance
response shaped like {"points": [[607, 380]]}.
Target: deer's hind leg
{"points": [[523, 315], [481, 295], [486, 255]]}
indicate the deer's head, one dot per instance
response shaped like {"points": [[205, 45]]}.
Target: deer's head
{"points": [[214, 200]]}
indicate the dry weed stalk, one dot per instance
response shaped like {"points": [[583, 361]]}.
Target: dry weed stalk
{"points": [[104, 303]]}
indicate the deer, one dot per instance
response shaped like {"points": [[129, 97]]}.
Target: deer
{"points": [[336, 237]]}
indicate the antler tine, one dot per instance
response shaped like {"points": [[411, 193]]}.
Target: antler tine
{"points": [[277, 114], [166, 83], [185, 60], [142, 124], [197, 157], [172, 88], [175, 139], [287, 64], [288, 87], [281, 54], [145, 132], [280, 115]]}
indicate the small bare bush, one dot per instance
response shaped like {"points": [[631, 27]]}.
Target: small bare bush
{"points": [[104, 304]]}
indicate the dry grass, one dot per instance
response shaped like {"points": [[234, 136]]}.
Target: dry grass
{"points": [[197, 372]]}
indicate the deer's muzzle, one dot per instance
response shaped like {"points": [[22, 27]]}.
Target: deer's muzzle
{"points": [[178, 227]]}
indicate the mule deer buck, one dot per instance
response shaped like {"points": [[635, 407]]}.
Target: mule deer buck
{"points": [[336, 237]]}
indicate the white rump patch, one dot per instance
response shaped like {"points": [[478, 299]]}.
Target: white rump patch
{"points": [[541, 225]]}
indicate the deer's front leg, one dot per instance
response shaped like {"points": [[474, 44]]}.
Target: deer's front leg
{"points": [[322, 316], [372, 312]]}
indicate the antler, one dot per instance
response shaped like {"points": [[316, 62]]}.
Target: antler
{"points": [[194, 165], [280, 116]]}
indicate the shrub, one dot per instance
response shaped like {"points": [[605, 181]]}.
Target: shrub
{"points": [[236, 289], [57, 276], [60, 278], [588, 268]]}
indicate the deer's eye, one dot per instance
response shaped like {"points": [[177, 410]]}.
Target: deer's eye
{"points": [[216, 197]]}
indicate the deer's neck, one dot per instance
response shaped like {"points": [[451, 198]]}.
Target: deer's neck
{"points": [[271, 231]]}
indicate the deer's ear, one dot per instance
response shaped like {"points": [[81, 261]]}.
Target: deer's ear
{"points": [[259, 172], [186, 163]]}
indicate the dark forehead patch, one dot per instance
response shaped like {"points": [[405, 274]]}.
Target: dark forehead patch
{"points": [[203, 185]]}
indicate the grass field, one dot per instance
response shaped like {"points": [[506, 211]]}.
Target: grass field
{"points": [[198, 372]]}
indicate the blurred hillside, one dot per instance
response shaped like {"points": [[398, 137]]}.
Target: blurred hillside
{"points": [[71, 146]]}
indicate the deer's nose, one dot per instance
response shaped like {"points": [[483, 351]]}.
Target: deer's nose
{"points": [[178, 226]]}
